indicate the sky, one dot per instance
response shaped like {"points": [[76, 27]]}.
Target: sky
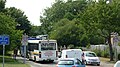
{"points": [[32, 8]]}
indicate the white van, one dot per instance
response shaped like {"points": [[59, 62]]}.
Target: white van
{"points": [[72, 53]]}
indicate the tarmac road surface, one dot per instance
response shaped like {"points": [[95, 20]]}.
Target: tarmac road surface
{"points": [[48, 64]]}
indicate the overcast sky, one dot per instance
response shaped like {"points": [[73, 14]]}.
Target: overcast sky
{"points": [[32, 8]]}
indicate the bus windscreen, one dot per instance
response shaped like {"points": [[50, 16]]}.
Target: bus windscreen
{"points": [[48, 46]]}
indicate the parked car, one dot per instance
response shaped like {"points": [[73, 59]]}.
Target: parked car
{"points": [[91, 58], [117, 64], [70, 62]]}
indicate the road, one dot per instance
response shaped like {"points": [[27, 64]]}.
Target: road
{"points": [[47, 64]]}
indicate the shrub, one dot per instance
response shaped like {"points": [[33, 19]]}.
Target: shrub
{"points": [[105, 52], [98, 52], [102, 53]]}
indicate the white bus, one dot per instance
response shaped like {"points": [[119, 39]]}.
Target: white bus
{"points": [[42, 50]]}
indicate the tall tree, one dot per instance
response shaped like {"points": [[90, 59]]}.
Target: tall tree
{"points": [[10, 19], [68, 33], [60, 10], [7, 27], [22, 21], [103, 16], [36, 30]]}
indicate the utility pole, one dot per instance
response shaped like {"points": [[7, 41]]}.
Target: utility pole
{"points": [[24, 42]]}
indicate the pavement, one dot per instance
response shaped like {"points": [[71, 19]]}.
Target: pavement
{"points": [[105, 61], [23, 60]]}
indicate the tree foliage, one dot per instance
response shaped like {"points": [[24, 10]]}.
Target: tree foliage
{"points": [[59, 21], [2, 5], [36, 30], [68, 33], [7, 27], [82, 22], [59, 10], [10, 19], [22, 23], [105, 17]]}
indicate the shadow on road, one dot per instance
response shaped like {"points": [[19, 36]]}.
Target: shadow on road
{"points": [[91, 65], [46, 62]]}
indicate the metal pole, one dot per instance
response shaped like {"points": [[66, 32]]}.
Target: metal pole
{"points": [[25, 43], [3, 54], [24, 54]]}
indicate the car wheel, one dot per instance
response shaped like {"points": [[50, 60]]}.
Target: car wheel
{"points": [[98, 64]]}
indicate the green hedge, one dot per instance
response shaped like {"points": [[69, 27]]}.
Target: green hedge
{"points": [[102, 53]]}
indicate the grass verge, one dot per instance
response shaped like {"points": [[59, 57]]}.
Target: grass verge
{"points": [[9, 62], [106, 60]]}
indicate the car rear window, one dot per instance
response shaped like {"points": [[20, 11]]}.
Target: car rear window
{"points": [[66, 62], [91, 55]]}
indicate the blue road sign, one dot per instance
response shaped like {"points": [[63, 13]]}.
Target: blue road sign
{"points": [[4, 40]]}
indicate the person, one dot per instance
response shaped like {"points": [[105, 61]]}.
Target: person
{"points": [[83, 58], [15, 53]]}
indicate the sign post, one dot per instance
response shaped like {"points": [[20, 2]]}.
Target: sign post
{"points": [[4, 40], [24, 42], [3, 54]]}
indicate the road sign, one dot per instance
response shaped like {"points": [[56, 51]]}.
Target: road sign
{"points": [[24, 39], [4, 40]]}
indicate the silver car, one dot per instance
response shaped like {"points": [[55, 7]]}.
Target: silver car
{"points": [[91, 58]]}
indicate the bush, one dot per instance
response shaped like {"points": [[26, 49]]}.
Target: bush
{"points": [[105, 53], [98, 52], [102, 53]]}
